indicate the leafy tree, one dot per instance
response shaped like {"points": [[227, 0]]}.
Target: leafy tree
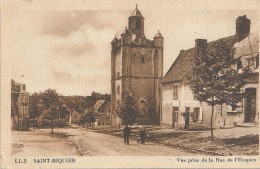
{"points": [[213, 80], [36, 106], [128, 110], [91, 118], [64, 112], [52, 104]]}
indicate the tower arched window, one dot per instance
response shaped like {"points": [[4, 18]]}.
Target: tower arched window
{"points": [[118, 89], [142, 59], [138, 23]]}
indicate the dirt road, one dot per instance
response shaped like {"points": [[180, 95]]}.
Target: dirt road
{"points": [[81, 142]]}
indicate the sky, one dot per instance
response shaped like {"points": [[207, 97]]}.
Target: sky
{"points": [[69, 50]]}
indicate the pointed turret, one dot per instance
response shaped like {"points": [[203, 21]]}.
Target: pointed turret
{"points": [[114, 43], [137, 13], [115, 39], [126, 37], [125, 32], [158, 39], [136, 22]]}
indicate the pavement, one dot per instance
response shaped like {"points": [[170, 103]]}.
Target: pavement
{"points": [[78, 141]]}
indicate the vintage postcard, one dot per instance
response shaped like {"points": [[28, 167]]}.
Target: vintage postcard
{"points": [[129, 84]]}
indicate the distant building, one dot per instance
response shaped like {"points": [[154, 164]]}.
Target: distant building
{"points": [[180, 110], [19, 106], [102, 110], [137, 68], [75, 117]]}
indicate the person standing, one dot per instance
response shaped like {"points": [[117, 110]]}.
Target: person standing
{"points": [[142, 133], [126, 132]]}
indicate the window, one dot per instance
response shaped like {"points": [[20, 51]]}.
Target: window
{"points": [[257, 61], [118, 89], [250, 62], [187, 109], [175, 91], [24, 87], [118, 74], [138, 23]]}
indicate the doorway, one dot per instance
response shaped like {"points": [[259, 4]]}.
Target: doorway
{"points": [[250, 105], [187, 118], [175, 111]]}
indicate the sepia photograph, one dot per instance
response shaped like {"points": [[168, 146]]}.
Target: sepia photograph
{"points": [[115, 84]]}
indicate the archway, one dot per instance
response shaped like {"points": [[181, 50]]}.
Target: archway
{"points": [[143, 107]]}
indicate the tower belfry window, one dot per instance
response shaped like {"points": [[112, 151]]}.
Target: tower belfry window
{"points": [[118, 89], [142, 59], [138, 23]]}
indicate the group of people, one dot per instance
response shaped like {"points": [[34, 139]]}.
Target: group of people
{"points": [[142, 133]]}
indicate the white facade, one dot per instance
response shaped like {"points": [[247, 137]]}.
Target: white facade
{"points": [[174, 107]]}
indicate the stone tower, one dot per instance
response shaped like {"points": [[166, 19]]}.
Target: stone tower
{"points": [[137, 68]]}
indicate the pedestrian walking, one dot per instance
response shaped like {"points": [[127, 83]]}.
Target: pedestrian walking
{"points": [[142, 132], [126, 132]]}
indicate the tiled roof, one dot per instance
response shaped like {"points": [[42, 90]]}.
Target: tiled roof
{"points": [[98, 104], [136, 12], [183, 63], [248, 46]]}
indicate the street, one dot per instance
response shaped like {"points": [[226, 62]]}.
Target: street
{"points": [[81, 142]]}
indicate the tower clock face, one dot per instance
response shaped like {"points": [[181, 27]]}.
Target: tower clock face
{"points": [[142, 51]]}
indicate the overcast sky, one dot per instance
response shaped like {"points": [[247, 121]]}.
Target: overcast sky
{"points": [[69, 50]]}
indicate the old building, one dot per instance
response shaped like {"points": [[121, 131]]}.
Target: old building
{"points": [[102, 110], [19, 106], [74, 117], [137, 68], [180, 110]]}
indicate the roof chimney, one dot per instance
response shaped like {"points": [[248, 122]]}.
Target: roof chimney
{"points": [[200, 43], [242, 27]]}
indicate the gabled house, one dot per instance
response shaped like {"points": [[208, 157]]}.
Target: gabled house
{"points": [[75, 117], [102, 110], [180, 110], [247, 53]]}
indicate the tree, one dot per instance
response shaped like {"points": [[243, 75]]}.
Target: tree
{"points": [[128, 110], [36, 107], [52, 104], [64, 112], [91, 118], [213, 80]]}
